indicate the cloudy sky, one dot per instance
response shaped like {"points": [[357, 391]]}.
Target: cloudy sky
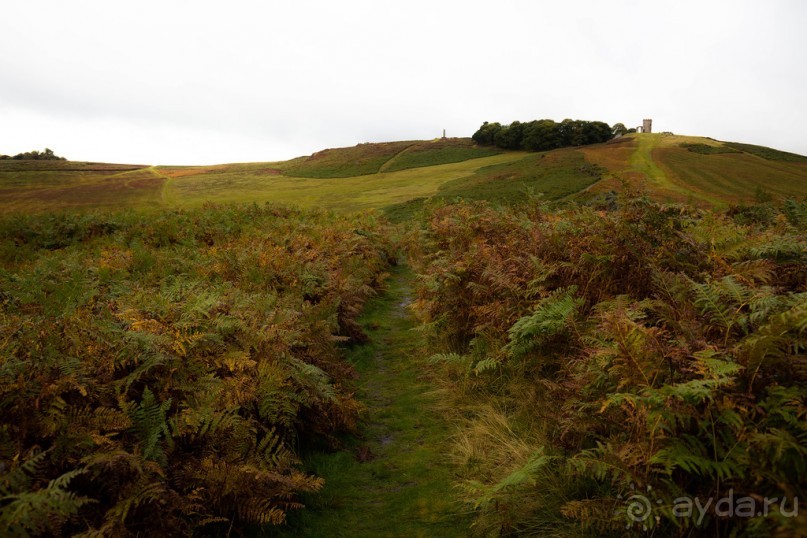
{"points": [[200, 82]]}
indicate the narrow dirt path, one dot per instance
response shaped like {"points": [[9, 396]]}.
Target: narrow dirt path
{"points": [[394, 480], [164, 196], [384, 167]]}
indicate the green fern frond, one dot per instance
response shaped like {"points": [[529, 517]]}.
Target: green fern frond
{"points": [[42, 511], [273, 451], [449, 358], [486, 365], [149, 424], [601, 462], [692, 455], [19, 477], [733, 290], [755, 270], [313, 379], [709, 301], [763, 304], [151, 361], [551, 317], [145, 491], [524, 475], [781, 249]]}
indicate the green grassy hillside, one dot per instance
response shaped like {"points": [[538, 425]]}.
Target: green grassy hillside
{"points": [[551, 175], [367, 158], [699, 170], [345, 162], [249, 183], [400, 176], [436, 152], [342, 179]]}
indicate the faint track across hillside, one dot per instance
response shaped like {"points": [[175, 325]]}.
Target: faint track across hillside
{"points": [[642, 161], [384, 167], [164, 197]]}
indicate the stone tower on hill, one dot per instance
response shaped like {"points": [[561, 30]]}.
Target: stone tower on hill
{"points": [[647, 126]]}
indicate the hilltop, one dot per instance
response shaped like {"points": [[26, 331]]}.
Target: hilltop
{"points": [[400, 176]]}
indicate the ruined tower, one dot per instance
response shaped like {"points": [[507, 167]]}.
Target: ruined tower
{"points": [[647, 126]]}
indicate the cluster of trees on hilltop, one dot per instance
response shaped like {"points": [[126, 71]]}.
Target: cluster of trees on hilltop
{"points": [[542, 135], [46, 155]]}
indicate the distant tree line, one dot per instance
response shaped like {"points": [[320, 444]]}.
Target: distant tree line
{"points": [[543, 135], [46, 155]]}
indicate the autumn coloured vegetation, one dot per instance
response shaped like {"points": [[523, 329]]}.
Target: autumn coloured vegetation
{"points": [[589, 351], [160, 375], [471, 340]]}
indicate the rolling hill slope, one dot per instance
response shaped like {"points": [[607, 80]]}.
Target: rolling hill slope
{"points": [[682, 168], [397, 175]]}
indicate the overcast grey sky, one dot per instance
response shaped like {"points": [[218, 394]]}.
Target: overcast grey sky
{"points": [[201, 82]]}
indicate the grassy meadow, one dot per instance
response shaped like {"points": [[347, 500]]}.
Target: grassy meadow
{"points": [[371, 191], [399, 177]]}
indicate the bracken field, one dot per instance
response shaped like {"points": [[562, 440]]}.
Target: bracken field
{"points": [[424, 338], [585, 353], [161, 374]]}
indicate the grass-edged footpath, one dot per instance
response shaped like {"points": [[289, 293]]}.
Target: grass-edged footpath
{"points": [[393, 478]]}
